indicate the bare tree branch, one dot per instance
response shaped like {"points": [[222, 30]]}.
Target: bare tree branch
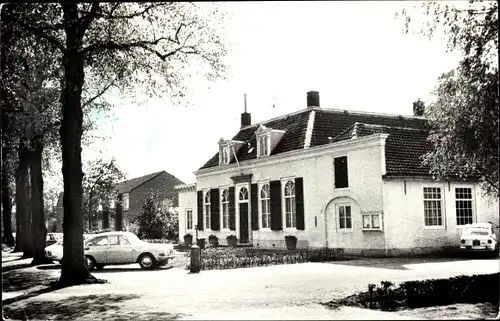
{"points": [[110, 45], [53, 40], [98, 94], [86, 20], [135, 14]]}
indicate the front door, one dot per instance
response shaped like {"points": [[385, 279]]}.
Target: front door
{"points": [[244, 223]]}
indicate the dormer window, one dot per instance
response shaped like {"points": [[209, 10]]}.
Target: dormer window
{"points": [[227, 150], [226, 156], [263, 146], [267, 139]]}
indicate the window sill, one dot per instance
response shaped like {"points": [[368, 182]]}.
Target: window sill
{"points": [[265, 229], [345, 229], [440, 227], [373, 229], [290, 229], [341, 188]]}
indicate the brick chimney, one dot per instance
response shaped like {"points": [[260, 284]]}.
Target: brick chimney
{"points": [[246, 119], [312, 99]]}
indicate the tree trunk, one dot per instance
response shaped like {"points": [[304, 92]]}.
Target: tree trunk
{"points": [[6, 190], [38, 228], [23, 232], [119, 213], [73, 266]]}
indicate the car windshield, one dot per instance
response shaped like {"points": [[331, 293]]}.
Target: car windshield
{"points": [[475, 231]]}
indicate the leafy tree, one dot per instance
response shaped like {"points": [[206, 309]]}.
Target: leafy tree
{"points": [[121, 44], [150, 218], [157, 219], [465, 114], [99, 188]]}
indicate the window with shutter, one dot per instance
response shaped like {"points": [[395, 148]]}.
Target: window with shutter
{"points": [[225, 208], [200, 211], [206, 210], [214, 210], [264, 206], [299, 200], [254, 207], [276, 214]]}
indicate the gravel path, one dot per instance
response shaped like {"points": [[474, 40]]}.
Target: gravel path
{"points": [[273, 292]]}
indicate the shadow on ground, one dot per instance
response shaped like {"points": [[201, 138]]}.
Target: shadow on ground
{"points": [[102, 307], [14, 267], [17, 280], [400, 262]]}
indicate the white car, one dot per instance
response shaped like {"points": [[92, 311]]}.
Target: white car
{"points": [[55, 251], [479, 237], [112, 248]]}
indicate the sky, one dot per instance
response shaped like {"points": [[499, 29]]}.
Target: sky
{"points": [[354, 53]]}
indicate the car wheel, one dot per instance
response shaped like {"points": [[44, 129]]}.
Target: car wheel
{"points": [[147, 261], [99, 266], [89, 262]]}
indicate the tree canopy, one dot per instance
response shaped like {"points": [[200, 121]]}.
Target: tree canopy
{"points": [[464, 112]]}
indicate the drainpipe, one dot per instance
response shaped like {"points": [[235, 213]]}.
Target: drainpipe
{"points": [[326, 226]]}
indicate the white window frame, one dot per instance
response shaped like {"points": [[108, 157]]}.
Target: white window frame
{"points": [[126, 201], [464, 199], [187, 211], [261, 224], [371, 215], [207, 216], [441, 208], [337, 212], [266, 137], [284, 181], [222, 204]]}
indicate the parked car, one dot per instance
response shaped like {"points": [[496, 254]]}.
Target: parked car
{"points": [[51, 239], [479, 237], [113, 248], [55, 251]]}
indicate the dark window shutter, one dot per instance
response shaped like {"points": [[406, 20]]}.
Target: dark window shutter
{"points": [[232, 212], [299, 202], [200, 210], [276, 218], [215, 209], [340, 172], [255, 207]]}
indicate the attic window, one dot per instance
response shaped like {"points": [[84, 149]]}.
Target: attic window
{"points": [[226, 155], [263, 145]]}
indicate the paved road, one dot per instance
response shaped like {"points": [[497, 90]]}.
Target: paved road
{"points": [[277, 292]]}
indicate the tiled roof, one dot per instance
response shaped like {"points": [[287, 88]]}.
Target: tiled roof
{"points": [[406, 143], [294, 125], [403, 150], [128, 185]]}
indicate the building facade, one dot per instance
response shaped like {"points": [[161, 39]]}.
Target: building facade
{"points": [[332, 178]]}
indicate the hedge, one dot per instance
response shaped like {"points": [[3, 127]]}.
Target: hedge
{"points": [[434, 292], [231, 258]]}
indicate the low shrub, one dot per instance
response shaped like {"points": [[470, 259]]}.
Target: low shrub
{"points": [[233, 257], [426, 293]]}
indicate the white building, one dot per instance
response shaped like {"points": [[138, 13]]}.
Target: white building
{"points": [[332, 178]]}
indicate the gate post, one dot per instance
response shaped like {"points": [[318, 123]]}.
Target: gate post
{"points": [[195, 265]]}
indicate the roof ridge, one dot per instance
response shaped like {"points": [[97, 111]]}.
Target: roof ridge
{"points": [[278, 117], [392, 127], [368, 113]]}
